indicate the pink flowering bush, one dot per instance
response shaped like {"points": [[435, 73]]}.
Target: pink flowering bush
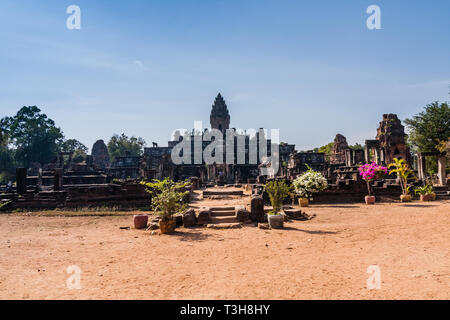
{"points": [[370, 172]]}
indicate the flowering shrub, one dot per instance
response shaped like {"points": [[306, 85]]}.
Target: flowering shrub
{"points": [[370, 172], [310, 182]]}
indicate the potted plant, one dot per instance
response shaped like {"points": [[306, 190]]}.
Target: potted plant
{"points": [[168, 198], [403, 172], [277, 191], [426, 193], [369, 173], [140, 221], [307, 184]]}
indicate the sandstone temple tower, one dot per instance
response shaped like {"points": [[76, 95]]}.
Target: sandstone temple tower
{"points": [[392, 139], [220, 117], [340, 147]]}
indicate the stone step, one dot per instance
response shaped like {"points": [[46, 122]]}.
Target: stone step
{"points": [[223, 193], [221, 208], [224, 226], [223, 213], [223, 219]]}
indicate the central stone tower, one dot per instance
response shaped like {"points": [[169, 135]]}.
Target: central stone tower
{"points": [[220, 117]]}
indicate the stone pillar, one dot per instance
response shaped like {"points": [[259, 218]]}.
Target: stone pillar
{"points": [[377, 156], [383, 157], [257, 209], [366, 154], [441, 171], [58, 182], [421, 166], [39, 179], [21, 180], [348, 157]]}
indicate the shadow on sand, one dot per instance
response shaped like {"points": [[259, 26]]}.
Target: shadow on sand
{"points": [[419, 205], [192, 234], [339, 206], [310, 231]]}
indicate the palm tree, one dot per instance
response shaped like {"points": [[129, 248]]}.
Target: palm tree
{"points": [[403, 172]]}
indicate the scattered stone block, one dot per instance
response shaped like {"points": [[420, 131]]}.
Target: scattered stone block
{"points": [[224, 226], [297, 214], [178, 220], [203, 215], [153, 226], [257, 209], [285, 216], [241, 213], [264, 226], [189, 219]]}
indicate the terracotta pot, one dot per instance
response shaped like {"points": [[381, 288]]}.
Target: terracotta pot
{"points": [[276, 221], [369, 199], [405, 198], [167, 226], [140, 221], [303, 202], [427, 197], [433, 196]]}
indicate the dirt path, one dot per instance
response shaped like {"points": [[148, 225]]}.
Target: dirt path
{"points": [[324, 258]]}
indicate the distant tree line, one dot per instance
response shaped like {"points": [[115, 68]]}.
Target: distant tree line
{"points": [[31, 137]]}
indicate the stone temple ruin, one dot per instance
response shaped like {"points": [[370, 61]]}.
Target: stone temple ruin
{"points": [[100, 182]]}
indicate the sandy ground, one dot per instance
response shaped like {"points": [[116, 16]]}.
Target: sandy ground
{"points": [[324, 258]]}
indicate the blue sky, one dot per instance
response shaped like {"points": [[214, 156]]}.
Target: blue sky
{"points": [[310, 68]]}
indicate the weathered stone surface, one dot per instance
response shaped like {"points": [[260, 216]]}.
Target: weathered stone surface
{"points": [[21, 176], [189, 219], [257, 209], [297, 214], [178, 219], [195, 183], [338, 151], [153, 226], [203, 215], [241, 213], [285, 216], [100, 155], [391, 135], [276, 221], [293, 213], [224, 226]]}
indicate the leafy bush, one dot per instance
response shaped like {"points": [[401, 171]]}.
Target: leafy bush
{"points": [[167, 196], [309, 183], [277, 191], [426, 189], [403, 172]]}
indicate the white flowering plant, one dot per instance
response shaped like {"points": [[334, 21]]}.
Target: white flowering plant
{"points": [[309, 183]]}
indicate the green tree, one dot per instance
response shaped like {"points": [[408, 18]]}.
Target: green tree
{"points": [[120, 146], [79, 150], [34, 135], [430, 128], [6, 158], [325, 149], [356, 146]]}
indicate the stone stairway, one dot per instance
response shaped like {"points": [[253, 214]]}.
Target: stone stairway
{"points": [[222, 193], [442, 193], [223, 215]]}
